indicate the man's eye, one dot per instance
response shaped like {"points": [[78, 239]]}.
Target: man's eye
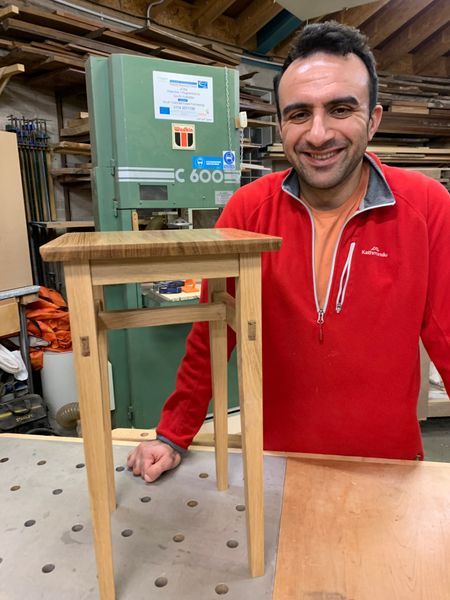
{"points": [[299, 116], [341, 111]]}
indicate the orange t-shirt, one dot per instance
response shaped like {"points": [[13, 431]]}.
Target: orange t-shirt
{"points": [[327, 225]]}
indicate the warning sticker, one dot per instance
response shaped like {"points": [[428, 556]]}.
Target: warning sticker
{"points": [[183, 137], [229, 160]]}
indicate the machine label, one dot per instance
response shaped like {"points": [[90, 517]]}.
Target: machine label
{"points": [[157, 175], [222, 197], [207, 162], [181, 97], [229, 160], [183, 137]]}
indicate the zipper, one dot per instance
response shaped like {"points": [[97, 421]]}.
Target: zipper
{"points": [[321, 310], [344, 278], [320, 323]]}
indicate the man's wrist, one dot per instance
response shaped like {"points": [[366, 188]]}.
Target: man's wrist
{"points": [[179, 449]]}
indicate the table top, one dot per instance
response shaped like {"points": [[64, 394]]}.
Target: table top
{"points": [[110, 245], [350, 528]]}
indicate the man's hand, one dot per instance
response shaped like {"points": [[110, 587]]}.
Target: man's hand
{"points": [[152, 458]]}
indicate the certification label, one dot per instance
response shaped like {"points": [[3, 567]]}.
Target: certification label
{"points": [[183, 97]]}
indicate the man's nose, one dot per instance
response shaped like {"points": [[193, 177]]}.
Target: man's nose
{"points": [[319, 132]]}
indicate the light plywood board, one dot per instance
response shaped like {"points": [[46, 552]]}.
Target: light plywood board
{"points": [[15, 267], [364, 531]]}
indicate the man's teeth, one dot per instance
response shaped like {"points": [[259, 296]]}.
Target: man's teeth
{"points": [[322, 156]]}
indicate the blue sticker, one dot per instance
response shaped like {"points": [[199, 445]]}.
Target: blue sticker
{"points": [[207, 162], [164, 110], [229, 160], [202, 84]]}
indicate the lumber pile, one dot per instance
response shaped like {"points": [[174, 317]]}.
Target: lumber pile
{"points": [[54, 45], [74, 143], [433, 162]]}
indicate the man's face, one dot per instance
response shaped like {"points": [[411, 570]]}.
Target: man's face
{"points": [[325, 124]]}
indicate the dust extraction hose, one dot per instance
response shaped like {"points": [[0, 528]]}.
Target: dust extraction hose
{"points": [[68, 415]]}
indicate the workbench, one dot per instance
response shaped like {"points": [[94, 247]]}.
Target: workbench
{"points": [[350, 528]]}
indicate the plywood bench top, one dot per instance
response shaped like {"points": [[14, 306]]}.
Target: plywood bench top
{"points": [[110, 245]]}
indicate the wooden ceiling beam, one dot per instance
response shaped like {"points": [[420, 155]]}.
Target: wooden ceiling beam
{"points": [[405, 66], [432, 50], [159, 8], [205, 15], [283, 48], [416, 33], [255, 16], [358, 15], [395, 15]]}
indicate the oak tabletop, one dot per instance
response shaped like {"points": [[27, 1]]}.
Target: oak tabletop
{"points": [[110, 245]]}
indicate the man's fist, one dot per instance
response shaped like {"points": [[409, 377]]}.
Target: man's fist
{"points": [[152, 458]]}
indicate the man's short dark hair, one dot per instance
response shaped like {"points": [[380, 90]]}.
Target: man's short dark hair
{"points": [[331, 37]]}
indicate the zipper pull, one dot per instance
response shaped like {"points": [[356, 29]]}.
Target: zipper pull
{"points": [[320, 322]]}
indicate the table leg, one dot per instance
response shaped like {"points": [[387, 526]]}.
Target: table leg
{"points": [[103, 360], [89, 384], [218, 346], [249, 360]]}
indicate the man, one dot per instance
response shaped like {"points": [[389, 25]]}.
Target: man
{"points": [[363, 271]]}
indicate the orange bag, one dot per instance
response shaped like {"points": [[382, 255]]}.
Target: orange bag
{"points": [[48, 319]]}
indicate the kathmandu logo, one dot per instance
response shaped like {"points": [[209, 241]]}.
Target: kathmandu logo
{"points": [[375, 251]]}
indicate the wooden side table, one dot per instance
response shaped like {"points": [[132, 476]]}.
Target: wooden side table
{"points": [[94, 259]]}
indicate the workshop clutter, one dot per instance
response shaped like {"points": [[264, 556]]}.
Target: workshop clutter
{"points": [[20, 412], [23, 414], [176, 287], [35, 163], [48, 321]]}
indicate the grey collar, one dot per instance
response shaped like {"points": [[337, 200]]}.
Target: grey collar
{"points": [[378, 191]]}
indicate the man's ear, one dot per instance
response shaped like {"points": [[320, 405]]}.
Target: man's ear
{"points": [[375, 120]]}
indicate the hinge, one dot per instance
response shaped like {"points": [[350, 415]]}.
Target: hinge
{"points": [[112, 164], [116, 207], [131, 414]]}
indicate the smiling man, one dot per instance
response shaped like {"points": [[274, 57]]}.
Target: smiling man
{"points": [[326, 122], [362, 274]]}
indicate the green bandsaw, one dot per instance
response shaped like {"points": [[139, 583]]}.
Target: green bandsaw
{"points": [[163, 136]]}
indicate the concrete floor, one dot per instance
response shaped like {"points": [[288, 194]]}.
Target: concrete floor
{"points": [[436, 439]]}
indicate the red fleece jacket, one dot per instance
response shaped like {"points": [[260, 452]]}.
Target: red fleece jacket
{"points": [[355, 391]]}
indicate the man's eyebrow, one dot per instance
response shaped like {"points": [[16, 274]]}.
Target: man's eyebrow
{"points": [[334, 102], [343, 100]]}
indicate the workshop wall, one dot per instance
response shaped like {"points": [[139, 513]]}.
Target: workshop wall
{"points": [[21, 100]]}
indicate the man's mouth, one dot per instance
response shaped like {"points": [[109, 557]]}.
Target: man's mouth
{"points": [[322, 155]]}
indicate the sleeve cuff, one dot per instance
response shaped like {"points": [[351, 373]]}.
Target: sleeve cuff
{"points": [[179, 449]]}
